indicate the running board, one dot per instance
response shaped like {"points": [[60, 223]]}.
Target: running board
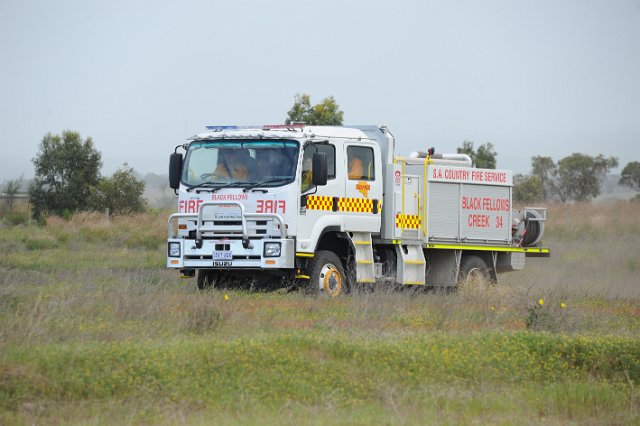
{"points": [[411, 265]]}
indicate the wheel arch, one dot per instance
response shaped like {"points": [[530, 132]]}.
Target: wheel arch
{"points": [[336, 241]]}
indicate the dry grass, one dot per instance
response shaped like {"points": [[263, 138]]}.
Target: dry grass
{"points": [[92, 283]]}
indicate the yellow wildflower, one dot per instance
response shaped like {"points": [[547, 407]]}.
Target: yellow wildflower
{"points": [[541, 301]]}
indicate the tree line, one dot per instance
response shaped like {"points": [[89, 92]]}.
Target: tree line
{"points": [[68, 179], [577, 177]]}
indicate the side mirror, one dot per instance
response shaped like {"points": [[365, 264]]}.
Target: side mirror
{"points": [[319, 166], [175, 170]]}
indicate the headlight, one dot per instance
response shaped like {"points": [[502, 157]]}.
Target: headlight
{"points": [[271, 249], [174, 249]]}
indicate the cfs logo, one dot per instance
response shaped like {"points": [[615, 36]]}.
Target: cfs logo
{"points": [[363, 188]]}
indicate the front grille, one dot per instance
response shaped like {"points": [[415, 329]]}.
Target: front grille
{"points": [[256, 229], [210, 257]]}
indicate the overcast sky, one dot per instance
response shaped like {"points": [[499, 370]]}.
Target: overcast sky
{"points": [[531, 77]]}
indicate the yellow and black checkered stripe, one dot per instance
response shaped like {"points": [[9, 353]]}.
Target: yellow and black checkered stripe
{"points": [[317, 202], [407, 221], [335, 204], [358, 205]]}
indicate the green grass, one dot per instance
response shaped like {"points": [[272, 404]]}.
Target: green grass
{"points": [[94, 329]]}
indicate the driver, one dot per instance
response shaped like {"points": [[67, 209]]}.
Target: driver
{"points": [[234, 165]]}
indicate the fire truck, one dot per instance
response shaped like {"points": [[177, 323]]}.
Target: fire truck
{"points": [[332, 207]]}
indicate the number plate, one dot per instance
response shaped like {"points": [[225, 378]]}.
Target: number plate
{"points": [[222, 263], [222, 255]]}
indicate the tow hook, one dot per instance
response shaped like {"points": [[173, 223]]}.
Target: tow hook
{"points": [[246, 243]]}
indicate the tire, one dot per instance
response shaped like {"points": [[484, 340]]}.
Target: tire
{"points": [[204, 279], [473, 268], [326, 274]]}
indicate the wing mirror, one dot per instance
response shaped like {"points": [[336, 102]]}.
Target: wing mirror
{"points": [[175, 170], [319, 167]]}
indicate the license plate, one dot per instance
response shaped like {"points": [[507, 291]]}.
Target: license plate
{"points": [[222, 263], [222, 255]]}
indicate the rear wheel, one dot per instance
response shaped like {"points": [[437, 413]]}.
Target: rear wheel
{"points": [[473, 268], [326, 274]]}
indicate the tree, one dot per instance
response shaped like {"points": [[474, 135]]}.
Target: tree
{"points": [[121, 193], [527, 189], [326, 113], [630, 175], [11, 190], [579, 176], [484, 157], [66, 167], [545, 169]]}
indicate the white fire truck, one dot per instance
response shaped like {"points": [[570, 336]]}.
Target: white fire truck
{"points": [[331, 207]]}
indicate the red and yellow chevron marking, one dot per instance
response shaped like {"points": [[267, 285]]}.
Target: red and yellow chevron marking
{"points": [[358, 205], [317, 202], [407, 221]]}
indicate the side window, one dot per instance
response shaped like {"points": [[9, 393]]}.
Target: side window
{"points": [[360, 163], [307, 157]]}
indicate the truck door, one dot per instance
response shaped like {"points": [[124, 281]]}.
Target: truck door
{"points": [[317, 210], [361, 205]]}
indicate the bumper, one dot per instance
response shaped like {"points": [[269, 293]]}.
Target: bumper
{"points": [[233, 241], [252, 257]]}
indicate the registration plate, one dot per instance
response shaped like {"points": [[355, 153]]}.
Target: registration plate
{"points": [[222, 255], [222, 263]]}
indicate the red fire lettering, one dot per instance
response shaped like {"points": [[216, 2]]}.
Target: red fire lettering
{"points": [[271, 206]]}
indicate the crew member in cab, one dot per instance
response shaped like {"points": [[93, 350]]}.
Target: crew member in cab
{"points": [[356, 169], [235, 165], [307, 174]]}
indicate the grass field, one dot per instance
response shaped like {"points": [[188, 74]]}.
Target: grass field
{"points": [[94, 330]]}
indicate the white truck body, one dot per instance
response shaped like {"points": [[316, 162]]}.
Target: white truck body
{"points": [[379, 217]]}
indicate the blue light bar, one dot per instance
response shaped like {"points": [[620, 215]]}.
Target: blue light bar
{"points": [[221, 128]]}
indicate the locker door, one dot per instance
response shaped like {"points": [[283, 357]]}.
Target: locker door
{"points": [[408, 219]]}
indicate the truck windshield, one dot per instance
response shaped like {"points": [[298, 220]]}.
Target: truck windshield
{"points": [[241, 163]]}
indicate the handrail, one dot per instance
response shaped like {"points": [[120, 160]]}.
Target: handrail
{"points": [[175, 216]]}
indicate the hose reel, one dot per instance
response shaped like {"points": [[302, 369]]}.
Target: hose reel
{"points": [[528, 226]]}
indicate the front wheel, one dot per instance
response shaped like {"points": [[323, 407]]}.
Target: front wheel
{"points": [[205, 279], [326, 274]]}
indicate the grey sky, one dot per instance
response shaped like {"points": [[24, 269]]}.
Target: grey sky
{"points": [[532, 77]]}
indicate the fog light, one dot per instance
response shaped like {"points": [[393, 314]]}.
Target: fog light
{"points": [[174, 249], [271, 249]]}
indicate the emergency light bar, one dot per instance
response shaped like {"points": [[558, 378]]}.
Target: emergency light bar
{"points": [[221, 128], [264, 127]]}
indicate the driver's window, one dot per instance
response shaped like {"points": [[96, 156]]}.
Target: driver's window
{"points": [[307, 158]]}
